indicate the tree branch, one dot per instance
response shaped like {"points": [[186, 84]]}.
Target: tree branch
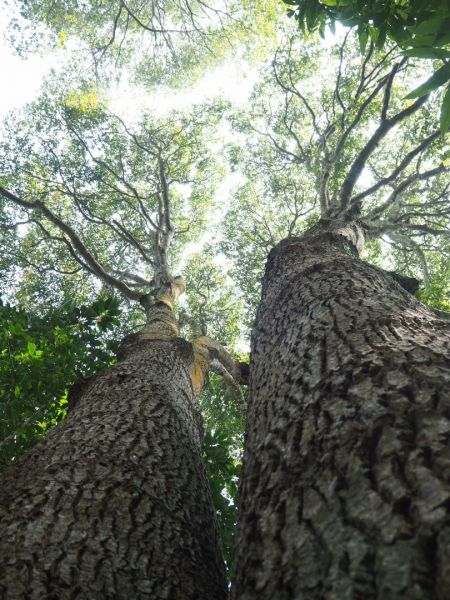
{"points": [[402, 186], [381, 131], [209, 354], [401, 167], [76, 242]]}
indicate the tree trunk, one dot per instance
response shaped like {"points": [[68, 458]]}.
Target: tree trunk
{"points": [[346, 482], [114, 503]]}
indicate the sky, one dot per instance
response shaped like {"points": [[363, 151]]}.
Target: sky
{"points": [[21, 77]]}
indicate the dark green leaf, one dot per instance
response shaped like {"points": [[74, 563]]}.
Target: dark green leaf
{"points": [[445, 112], [363, 37], [427, 53], [438, 78]]}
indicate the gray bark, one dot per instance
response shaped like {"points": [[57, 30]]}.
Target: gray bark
{"points": [[114, 503], [345, 488]]}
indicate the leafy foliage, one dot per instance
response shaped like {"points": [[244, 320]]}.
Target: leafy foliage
{"points": [[214, 305], [222, 452], [170, 42], [40, 358]]}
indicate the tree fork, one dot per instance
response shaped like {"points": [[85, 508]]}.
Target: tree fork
{"points": [[346, 481]]}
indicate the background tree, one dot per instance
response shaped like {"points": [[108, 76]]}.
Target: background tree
{"points": [[126, 461], [302, 134], [344, 491]]}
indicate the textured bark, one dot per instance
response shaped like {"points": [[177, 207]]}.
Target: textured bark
{"points": [[114, 503], [346, 482]]}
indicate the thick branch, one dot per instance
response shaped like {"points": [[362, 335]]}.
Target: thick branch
{"points": [[402, 186], [401, 167], [360, 161], [210, 355]]}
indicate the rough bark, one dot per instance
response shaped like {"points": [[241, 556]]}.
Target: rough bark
{"points": [[114, 503], [346, 482]]}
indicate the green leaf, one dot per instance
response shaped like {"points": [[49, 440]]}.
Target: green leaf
{"points": [[31, 348], [381, 39], [427, 53], [420, 41], [443, 39], [438, 78], [363, 36], [373, 32], [312, 14], [445, 112], [430, 27]]}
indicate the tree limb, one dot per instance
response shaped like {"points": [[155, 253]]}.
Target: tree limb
{"points": [[209, 354], [381, 131], [76, 242], [401, 167]]}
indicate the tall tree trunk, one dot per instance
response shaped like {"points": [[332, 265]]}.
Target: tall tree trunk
{"points": [[346, 481], [114, 503]]}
